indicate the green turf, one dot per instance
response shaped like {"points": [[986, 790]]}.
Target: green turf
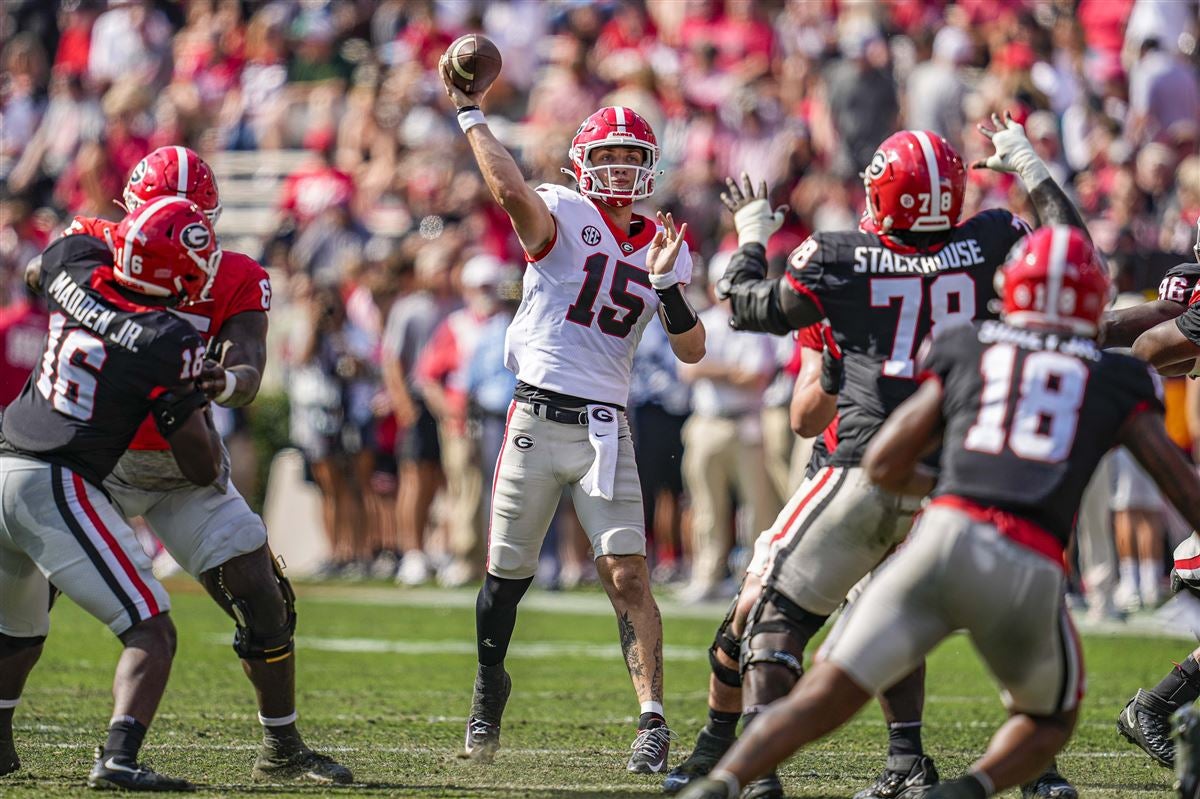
{"points": [[395, 712]]}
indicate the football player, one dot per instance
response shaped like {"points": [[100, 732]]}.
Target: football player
{"points": [[812, 412], [112, 357], [1176, 292], [1004, 399], [597, 273], [1172, 347], [912, 270], [211, 530]]}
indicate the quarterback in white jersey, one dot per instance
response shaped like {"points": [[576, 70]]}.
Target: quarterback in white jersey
{"points": [[597, 273]]}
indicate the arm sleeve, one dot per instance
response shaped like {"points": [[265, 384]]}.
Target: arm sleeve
{"points": [[1189, 323], [174, 397], [761, 305], [253, 292], [1179, 284]]}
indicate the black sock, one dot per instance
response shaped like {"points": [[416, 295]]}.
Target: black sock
{"points": [[1182, 685], [496, 616], [721, 724], [281, 735], [904, 739], [647, 721], [125, 738], [6, 717], [970, 786]]}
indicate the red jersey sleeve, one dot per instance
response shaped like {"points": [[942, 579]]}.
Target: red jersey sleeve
{"points": [[241, 285]]}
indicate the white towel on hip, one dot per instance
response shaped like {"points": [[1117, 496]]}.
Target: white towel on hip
{"points": [[602, 434]]}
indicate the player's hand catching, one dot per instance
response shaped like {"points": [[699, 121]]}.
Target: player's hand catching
{"points": [[752, 214], [1013, 153], [457, 95], [665, 247], [212, 379]]}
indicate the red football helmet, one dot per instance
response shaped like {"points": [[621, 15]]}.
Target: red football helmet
{"points": [[167, 248], [1053, 279], [915, 181], [614, 126], [173, 172]]}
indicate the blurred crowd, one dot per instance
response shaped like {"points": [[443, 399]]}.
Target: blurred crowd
{"points": [[394, 274]]}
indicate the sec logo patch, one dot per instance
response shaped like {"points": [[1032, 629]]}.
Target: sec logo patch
{"points": [[591, 236]]}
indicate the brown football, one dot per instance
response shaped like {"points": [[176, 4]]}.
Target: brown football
{"points": [[473, 62]]}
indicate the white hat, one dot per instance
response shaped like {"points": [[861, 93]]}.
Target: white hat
{"points": [[484, 270]]}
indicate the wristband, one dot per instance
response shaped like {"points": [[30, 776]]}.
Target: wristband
{"points": [[469, 117], [230, 387], [678, 316], [664, 281]]}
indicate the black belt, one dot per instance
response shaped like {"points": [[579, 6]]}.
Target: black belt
{"points": [[556, 413]]}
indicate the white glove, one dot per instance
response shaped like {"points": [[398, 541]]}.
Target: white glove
{"points": [[1014, 153], [755, 222]]}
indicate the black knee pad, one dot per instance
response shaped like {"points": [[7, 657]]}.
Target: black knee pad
{"points": [[777, 633], [11, 645], [726, 642], [256, 609]]}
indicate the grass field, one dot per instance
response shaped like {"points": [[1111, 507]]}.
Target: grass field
{"points": [[385, 681]]}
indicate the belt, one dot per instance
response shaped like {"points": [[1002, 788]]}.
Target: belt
{"points": [[556, 413]]}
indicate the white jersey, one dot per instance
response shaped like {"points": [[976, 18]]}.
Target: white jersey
{"points": [[586, 301]]}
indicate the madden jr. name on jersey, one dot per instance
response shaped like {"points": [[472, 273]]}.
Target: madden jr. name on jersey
{"points": [[90, 313]]}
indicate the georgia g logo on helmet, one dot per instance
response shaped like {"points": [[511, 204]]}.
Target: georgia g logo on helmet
{"points": [[139, 172], [195, 237]]}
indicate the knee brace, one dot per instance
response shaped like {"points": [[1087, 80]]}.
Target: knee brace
{"points": [[726, 642], [254, 608], [11, 645], [777, 633]]}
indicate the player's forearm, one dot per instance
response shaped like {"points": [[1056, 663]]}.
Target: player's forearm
{"points": [[689, 345], [1166, 349], [759, 304], [1121, 328], [811, 410], [530, 217], [1053, 206], [33, 274], [1147, 440]]}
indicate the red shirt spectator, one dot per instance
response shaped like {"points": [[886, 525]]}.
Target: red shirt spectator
{"points": [[312, 189], [1103, 23], [22, 329]]}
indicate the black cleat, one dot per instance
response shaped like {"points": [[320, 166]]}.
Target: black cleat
{"points": [[768, 787], [1050, 785], [298, 763], [650, 751], [905, 777], [1146, 723], [119, 773], [9, 762], [487, 706], [708, 751]]}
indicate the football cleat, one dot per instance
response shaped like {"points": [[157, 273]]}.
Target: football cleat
{"points": [[1050, 785], [705, 755], [768, 787], [122, 773], [650, 751], [9, 762], [299, 763], [902, 778], [487, 707], [1146, 723]]}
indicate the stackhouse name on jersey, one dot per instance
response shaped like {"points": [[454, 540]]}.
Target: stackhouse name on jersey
{"points": [[586, 302], [882, 303], [107, 362], [1028, 416]]}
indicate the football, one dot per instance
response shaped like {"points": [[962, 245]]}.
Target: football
{"points": [[473, 62]]}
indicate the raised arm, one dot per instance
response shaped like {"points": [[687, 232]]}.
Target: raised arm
{"points": [[758, 304], [531, 219], [1014, 153]]}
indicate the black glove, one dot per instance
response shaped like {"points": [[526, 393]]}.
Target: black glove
{"points": [[833, 367]]}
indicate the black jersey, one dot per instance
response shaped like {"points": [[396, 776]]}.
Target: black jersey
{"points": [[1179, 283], [107, 362], [882, 304], [1028, 416]]}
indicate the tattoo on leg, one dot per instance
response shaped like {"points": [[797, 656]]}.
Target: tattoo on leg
{"points": [[629, 646], [656, 679]]}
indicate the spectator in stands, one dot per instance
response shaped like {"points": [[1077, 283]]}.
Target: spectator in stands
{"points": [[132, 41], [862, 97], [935, 88], [1163, 90], [442, 377], [409, 327], [659, 404], [72, 117], [722, 439]]}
